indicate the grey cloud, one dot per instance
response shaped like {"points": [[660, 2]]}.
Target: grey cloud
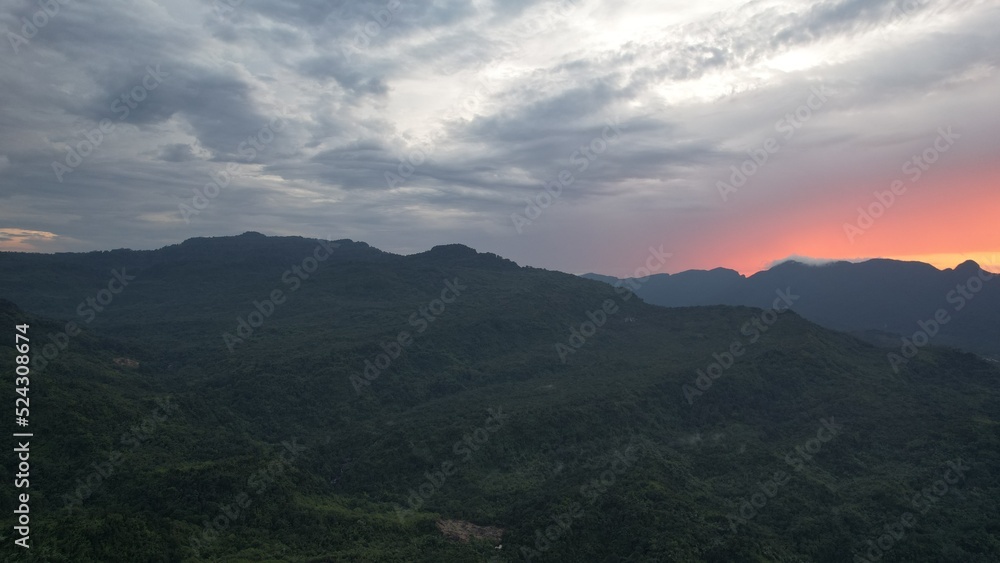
{"points": [[177, 152], [345, 118], [348, 76]]}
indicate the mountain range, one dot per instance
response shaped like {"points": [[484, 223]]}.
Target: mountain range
{"points": [[881, 300], [256, 398]]}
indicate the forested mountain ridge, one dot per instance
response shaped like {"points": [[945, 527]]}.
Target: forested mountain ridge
{"points": [[367, 401]]}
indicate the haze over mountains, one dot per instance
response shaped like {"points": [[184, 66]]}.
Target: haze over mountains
{"points": [[453, 406], [876, 298]]}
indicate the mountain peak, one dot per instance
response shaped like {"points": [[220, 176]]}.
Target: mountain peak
{"points": [[971, 265], [459, 253], [452, 250]]}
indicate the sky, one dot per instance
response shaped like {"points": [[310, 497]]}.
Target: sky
{"points": [[569, 135]]}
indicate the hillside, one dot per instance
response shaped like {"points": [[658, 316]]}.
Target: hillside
{"points": [[385, 405]]}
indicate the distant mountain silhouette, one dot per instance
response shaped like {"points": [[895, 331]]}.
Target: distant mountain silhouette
{"points": [[869, 298]]}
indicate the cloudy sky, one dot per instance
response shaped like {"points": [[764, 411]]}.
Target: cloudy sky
{"points": [[729, 133]]}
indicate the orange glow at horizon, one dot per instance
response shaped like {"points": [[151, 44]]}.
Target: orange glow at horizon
{"points": [[942, 220]]}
